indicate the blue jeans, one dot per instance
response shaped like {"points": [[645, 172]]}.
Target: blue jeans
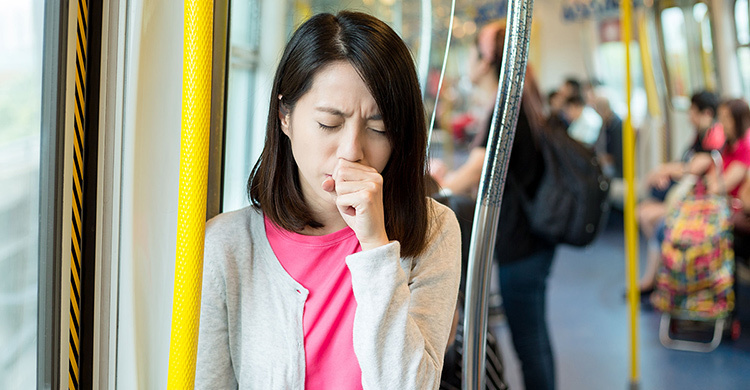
{"points": [[523, 286]]}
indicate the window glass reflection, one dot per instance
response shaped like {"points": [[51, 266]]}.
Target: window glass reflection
{"points": [[20, 114], [676, 51], [741, 22], [708, 66]]}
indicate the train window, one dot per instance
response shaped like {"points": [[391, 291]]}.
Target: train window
{"points": [[742, 26], [701, 16], [20, 112], [610, 56], [689, 50], [676, 51], [243, 112]]}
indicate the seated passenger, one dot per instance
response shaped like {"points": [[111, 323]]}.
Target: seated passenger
{"points": [[585, 123], [342, 274], [734, 119]]}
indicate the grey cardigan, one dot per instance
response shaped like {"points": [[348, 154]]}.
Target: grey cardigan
{"points": [[251, 334]]}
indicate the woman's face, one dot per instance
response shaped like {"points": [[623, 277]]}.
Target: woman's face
{"points": [[337, 119], [478, 67], [727, 122]]}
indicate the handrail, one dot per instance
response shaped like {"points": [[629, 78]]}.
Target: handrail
{"points": [[631, 227], [191, 220], [487, 212], [442, 75]]}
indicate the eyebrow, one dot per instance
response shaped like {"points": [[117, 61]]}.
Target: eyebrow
{"points": [[333, 111]]}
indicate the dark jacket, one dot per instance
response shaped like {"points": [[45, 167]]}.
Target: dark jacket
{"points": [[515, 240]]}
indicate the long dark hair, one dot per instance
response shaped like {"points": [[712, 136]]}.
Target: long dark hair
{"points": [[385, 64], [740, 113], [490, 44]]}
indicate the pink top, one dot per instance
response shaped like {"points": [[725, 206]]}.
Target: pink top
{"points": [[740, 151], [318, 263]]}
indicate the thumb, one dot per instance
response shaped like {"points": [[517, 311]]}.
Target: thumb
{"points": [[329, 185]]}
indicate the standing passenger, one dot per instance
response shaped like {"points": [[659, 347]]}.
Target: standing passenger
{"points": [[525, 259], [342, 274]]}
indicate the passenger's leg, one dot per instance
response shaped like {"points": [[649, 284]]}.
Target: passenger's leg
{"points": [[649, 213], [523, 285], [653, 258], [650, 216]]}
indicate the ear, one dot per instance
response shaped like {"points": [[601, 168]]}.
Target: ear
{"points": [[284, 116], [284, 119]]}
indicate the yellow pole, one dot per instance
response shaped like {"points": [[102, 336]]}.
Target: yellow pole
{"points": [[631, 232], [649, 80], [191, 221]]}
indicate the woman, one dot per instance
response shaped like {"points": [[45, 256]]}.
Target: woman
{"points": [[652, 211], [525, 259], [734, 118], [342, 274]]}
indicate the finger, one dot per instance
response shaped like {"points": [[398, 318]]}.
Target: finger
{"points": [[351, 171], [348, 187], [356, 203], [356, 175], [329, 185]]}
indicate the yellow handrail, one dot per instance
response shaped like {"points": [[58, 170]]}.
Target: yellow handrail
{"points": [[631, 229], [191, 221]]}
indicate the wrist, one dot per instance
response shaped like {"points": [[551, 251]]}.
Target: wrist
{"points": [[375, 243]]}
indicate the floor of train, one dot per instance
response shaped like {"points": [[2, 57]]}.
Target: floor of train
{"points": [[588, 319]]}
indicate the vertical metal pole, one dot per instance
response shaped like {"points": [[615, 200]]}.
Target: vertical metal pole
{"points": [[631, 228], [442, 74], [500, 141]]}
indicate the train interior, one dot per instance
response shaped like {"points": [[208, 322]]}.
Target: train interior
{"points": [[135, 52]]}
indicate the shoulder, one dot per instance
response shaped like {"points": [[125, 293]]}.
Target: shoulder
{"points": [[439, 212], [444, 227], [231, 232]]}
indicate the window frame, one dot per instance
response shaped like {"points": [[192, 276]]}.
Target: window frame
{"points": [[52, 139]]}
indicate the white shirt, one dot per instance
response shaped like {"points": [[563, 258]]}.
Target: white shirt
{"points": [[586, 128]]}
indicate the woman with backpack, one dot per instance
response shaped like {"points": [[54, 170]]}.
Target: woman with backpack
{"points": [[525, 259]]}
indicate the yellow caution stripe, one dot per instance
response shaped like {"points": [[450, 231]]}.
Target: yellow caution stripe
{"points": [[77, 227]]}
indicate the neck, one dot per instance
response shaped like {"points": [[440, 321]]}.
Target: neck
{"points": [[705, 125], [488, 83], [329, 217]]}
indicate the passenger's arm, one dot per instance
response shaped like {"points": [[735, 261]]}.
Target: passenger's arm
{"points": [[402, 321], [213, 368], [660, 177], [700, 164], [467, 176], [732, 176]]}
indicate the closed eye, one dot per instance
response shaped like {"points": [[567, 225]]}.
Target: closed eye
{"points": [[326, 127], [378, 131]]}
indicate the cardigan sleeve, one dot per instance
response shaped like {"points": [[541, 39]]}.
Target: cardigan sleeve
{"points": [[402, 322], [214, 368]]}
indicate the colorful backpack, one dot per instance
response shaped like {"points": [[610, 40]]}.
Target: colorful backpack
{"points": [[695, 280]]}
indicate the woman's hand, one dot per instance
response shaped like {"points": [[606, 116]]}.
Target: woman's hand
{"points": [[659, 180], [358, 192]]}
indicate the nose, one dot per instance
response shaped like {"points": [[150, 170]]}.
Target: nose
{"points": [[351, 144]]}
